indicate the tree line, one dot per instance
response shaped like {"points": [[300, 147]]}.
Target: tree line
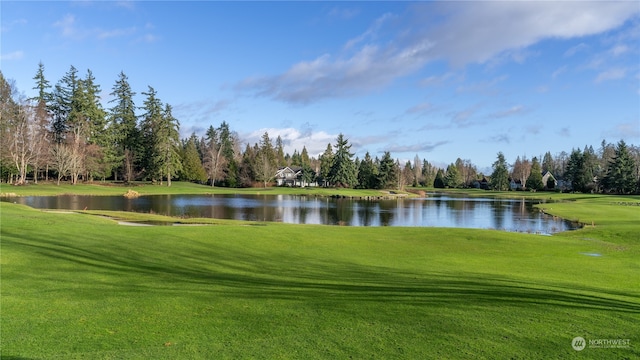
{"points": [[64, 133]]}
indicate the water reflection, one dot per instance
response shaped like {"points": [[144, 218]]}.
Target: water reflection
{"points": [[435, 210]]}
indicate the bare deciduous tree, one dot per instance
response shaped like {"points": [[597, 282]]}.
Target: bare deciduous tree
{"points": [[62, 159], [213, 159]]}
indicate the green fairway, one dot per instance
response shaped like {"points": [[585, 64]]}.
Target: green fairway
{"points": [[80, 286]]}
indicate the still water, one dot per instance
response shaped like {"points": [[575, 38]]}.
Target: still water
{"points": [[434, 210]]}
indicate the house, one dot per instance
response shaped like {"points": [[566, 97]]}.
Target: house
{"points": [[515, 184], [482, 184], [291, 176], [545, 180]]}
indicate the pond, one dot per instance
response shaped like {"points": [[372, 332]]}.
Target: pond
{"points": [[435, 210]]}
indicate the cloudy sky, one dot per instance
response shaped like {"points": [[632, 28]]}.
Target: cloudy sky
{"points": [[440, 80]]}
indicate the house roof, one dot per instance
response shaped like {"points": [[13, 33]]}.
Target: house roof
{"points": [[284, 169]]}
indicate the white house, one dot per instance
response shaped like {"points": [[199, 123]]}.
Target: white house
{"points": [[291, 176]]}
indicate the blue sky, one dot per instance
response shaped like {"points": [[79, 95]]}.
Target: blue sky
{"points": [[438, 79]]}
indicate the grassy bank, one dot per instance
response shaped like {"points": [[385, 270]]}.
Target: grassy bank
{"points": [[77, 286], [177, 187]]}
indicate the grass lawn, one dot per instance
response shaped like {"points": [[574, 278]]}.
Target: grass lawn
{"points": [[80, 286], [177, 187]]}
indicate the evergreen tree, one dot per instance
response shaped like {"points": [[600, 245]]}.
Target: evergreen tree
{"points": [[248, 166], [304, 156], [192, 169], [123, 129], [453, 178], [326, 161], [367, 173], [168, 143], [152, 159], [428, 173], [77, 129], [266, 162], [279, 152], [590, 164], [548, 163], [500, 175], [308, 175], [620, 176], [61, 104], [42, 121], [343, 171], [534, 181], [230, 168], [100, 154], [42, 85], [576, 171], [386, 172], [296, 159], [438, 182]]}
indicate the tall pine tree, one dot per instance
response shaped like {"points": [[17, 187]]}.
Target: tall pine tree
{"points": [[500, 174], [343, 171], [620, 176], [123, 128], [152, 159]]}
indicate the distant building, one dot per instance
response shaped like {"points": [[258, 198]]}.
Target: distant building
{"points": [[545, 180], [515, 184], [291, 176], [481, 184]]}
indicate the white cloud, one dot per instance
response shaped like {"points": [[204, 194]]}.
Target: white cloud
{"points": [[343, 13], [370, 68], [148, 38], [9, 25], [415, 148], [421, 109], [294, 139], [462, 33], [106, 34], [514, 110], [67, 26], [575, 49], [542, 89], [15, 55], [371, 32], [127, 4], [559, 72], [477, 31], [483, 87], [202, 111], [499, 138], [611, 74], [436, 79], [463, 118], [619, 50], [629, 130]]}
